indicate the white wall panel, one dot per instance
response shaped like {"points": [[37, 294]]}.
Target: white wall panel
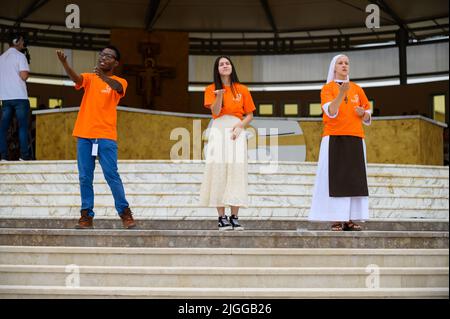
{"points": [[314, 67], [427, 58]]}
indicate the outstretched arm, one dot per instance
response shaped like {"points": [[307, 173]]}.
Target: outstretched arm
{"points": [[74, 76]]}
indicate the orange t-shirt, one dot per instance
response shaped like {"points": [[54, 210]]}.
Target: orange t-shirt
{"points": [[238, 105], [347, 122], [97, 117]]}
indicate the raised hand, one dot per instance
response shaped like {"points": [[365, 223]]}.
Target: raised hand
{"points": [[61, 56], [99, 72], [219, 92], [74, 76], [343, 88]]}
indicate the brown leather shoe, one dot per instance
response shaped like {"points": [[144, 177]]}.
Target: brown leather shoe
{"points": [[85, 221], [127, 218]]}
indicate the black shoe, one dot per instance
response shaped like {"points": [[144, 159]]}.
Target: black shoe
{"points": [[235, 223], [224, 224], [3, 158], [25, 158]]}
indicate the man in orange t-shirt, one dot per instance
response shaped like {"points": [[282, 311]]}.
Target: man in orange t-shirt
{"points": [[96, 133]]}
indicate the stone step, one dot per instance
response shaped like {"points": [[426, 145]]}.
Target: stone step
{"points": [[54, 292], [211, 277], [279, 255], [101, 187], [144, 176], [215, 238], [255, 200], [198, 166], [222, 257], [186, 211], [211, 223]]}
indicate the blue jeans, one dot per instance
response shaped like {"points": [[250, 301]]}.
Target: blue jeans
{"points": [[107, 154], [21, 108]]}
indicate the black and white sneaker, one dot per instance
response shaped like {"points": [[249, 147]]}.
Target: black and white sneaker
{"points": [[224, 224], [235, 223]]}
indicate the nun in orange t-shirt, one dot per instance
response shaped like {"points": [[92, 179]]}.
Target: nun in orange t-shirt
{"points": [[340, 192], [225, 179]]}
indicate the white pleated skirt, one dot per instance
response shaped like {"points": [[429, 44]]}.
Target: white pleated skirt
{"points": [[225, 179], [326, 208]]}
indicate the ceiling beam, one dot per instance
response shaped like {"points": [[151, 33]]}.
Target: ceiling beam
{"points": [[36, 4], [269, 16], [439, 25], [150, 14]]}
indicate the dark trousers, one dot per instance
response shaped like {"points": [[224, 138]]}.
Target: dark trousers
{"points": [[21, 108]]}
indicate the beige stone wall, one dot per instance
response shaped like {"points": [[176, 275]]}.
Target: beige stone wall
{"points": [[54, 139], [313, 135], [147, 136], [140, 136], [431, 144], [393, 141], [399, 141]]}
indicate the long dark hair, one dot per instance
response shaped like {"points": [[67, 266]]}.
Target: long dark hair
{"points": [[233, 76]]}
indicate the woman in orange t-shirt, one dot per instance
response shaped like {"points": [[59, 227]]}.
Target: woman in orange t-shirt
{"points": [[340, 192], [225, 180]]}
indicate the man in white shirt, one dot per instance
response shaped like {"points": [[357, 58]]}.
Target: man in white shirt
{"points": [[14, 72]]}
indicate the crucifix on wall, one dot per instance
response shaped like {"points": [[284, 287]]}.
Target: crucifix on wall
{"points": [[149, 74]]}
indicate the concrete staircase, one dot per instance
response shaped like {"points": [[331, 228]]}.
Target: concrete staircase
{"points": [[177, 252], [99, 272], [210, 237], [169, 190]]}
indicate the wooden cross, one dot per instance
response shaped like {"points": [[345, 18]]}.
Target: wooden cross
{"points": [[149, 74]]}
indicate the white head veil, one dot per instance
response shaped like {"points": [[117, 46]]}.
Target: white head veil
{"points": [[331, 72]]}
